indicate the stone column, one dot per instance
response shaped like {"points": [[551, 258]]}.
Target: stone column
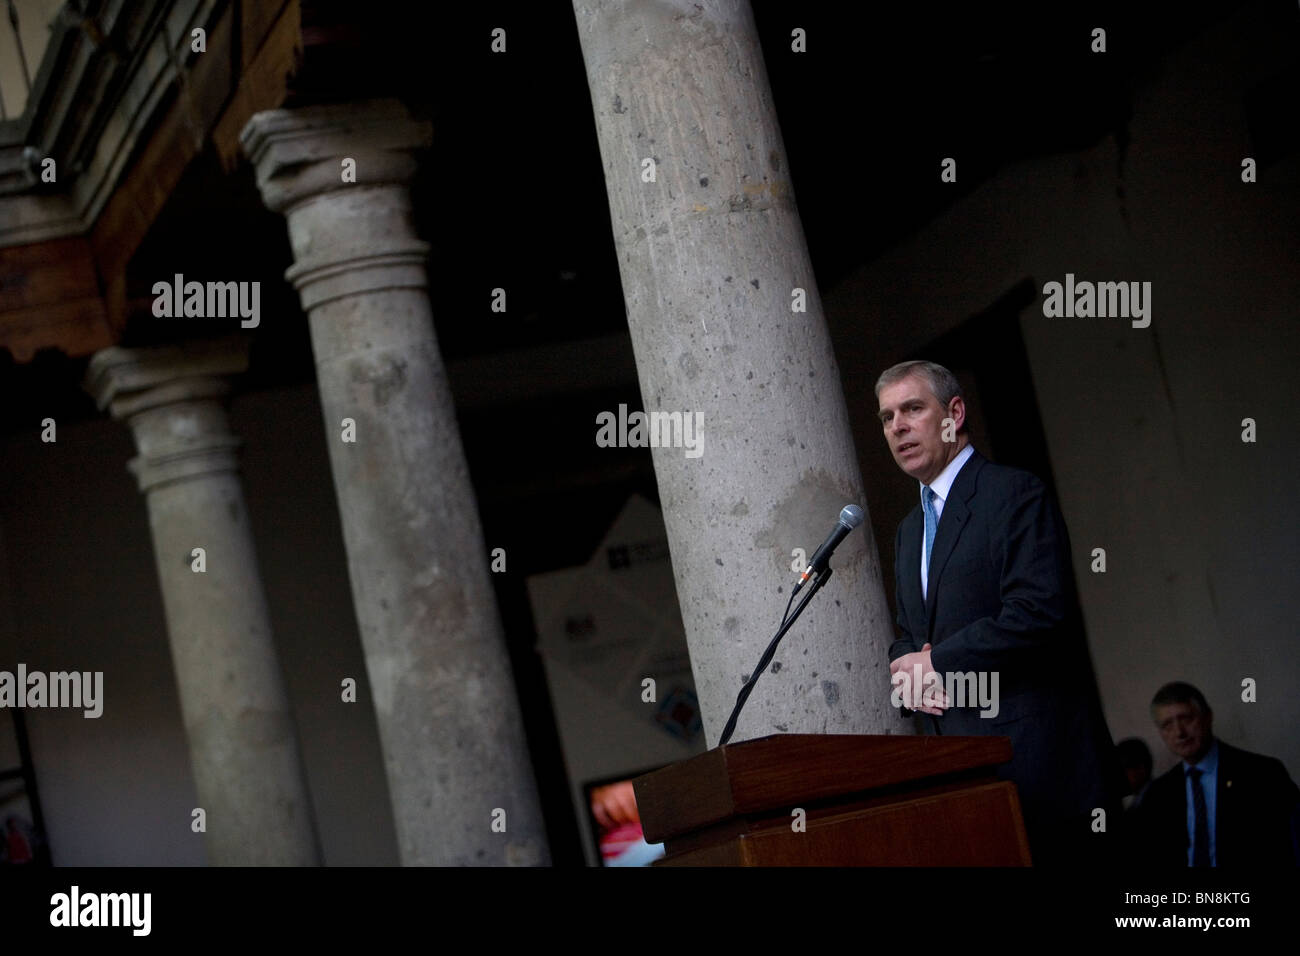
{"points": [[449, 720], [243, 743], [726, 321]]}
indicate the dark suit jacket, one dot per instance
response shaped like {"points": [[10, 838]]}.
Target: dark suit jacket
{"points": [[1002, 598], [1256, 804]]}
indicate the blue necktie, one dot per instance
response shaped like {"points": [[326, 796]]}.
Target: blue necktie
{"points": [[931, 523], [1201, 844]]}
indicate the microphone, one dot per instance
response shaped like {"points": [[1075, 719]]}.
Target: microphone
{"points": [[850, 517], [820, 571]]}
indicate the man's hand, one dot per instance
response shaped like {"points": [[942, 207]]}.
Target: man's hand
{"points": [[922, 693]]}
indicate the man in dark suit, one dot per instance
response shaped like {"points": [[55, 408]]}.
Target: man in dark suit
{"points": [[1219, 806], [984, 585]]}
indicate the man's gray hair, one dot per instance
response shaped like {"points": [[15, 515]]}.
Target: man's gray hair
{"points": [[942, 382], [1179, 692]]}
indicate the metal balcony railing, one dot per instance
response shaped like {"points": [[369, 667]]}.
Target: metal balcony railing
{"points": [[24, 37], [65, 66]]}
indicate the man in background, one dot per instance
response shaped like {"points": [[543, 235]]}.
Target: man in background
{"points": [[1219, 806]]}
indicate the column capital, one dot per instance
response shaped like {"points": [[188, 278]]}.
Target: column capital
{"points": [[297, 153], [172, 399], [126, 381]]}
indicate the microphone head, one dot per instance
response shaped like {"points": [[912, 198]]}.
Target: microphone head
{"points": [[851, 516]]}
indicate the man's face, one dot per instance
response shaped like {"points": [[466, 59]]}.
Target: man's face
{"points": [[1185, 730], [913, 422]]}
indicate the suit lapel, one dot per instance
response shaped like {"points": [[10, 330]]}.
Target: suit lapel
{"points": [[1177, 824], [1223, 794], [956, 512]]}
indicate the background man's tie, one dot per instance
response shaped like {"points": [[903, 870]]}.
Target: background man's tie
{"points": [[1201, 845]]}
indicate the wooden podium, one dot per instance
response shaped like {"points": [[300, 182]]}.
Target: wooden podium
{"points": [[869, 801]]}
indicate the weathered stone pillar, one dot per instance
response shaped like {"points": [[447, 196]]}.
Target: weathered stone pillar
{"points": [[243, 743], [726, 321], [449, 720]]}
